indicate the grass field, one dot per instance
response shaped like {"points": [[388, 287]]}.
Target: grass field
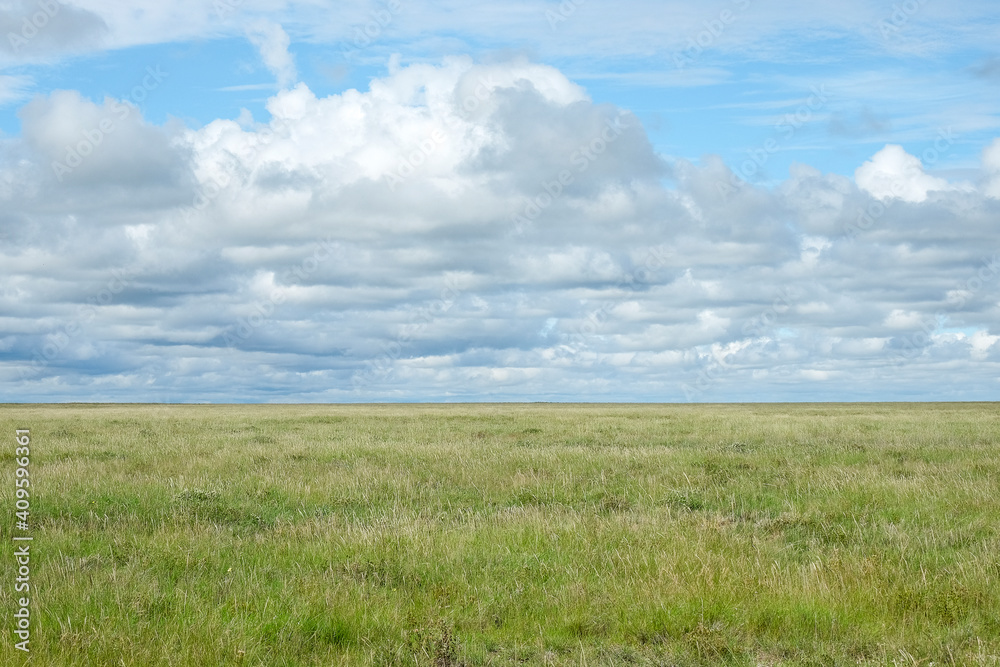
{"points": [[807, 534]]}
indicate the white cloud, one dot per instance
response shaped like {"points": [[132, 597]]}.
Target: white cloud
{"points": [[894, 173], [906, 320], [13, 88], [272, 41], [635, 27], [367, 244], [981, 343]]}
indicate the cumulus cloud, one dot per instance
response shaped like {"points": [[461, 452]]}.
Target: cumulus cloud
{"points": [[894, 173], [272, 41], [109, 143], [470, 230]]}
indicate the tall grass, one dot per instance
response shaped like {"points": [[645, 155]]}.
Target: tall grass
{"points": [[807, 534]]}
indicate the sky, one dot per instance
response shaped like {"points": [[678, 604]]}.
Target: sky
{"points": [[308, 201]]}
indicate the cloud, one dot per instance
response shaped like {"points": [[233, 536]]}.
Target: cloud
{"points": [[13, 88], [41, 30], [991, 167], [90, 144], [653, 30], [272, 42], [894, 173], [982, 344], [469, 230]]}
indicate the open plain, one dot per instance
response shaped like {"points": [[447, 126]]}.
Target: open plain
{"points": [[496, 534]]}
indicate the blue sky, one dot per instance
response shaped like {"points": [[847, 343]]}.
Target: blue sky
{"points": [[361, 201]]}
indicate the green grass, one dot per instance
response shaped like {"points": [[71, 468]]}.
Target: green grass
{"points": [[808, 534]]}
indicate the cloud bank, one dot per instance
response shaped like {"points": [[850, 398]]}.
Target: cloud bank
{"points": [[474, 231]]}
